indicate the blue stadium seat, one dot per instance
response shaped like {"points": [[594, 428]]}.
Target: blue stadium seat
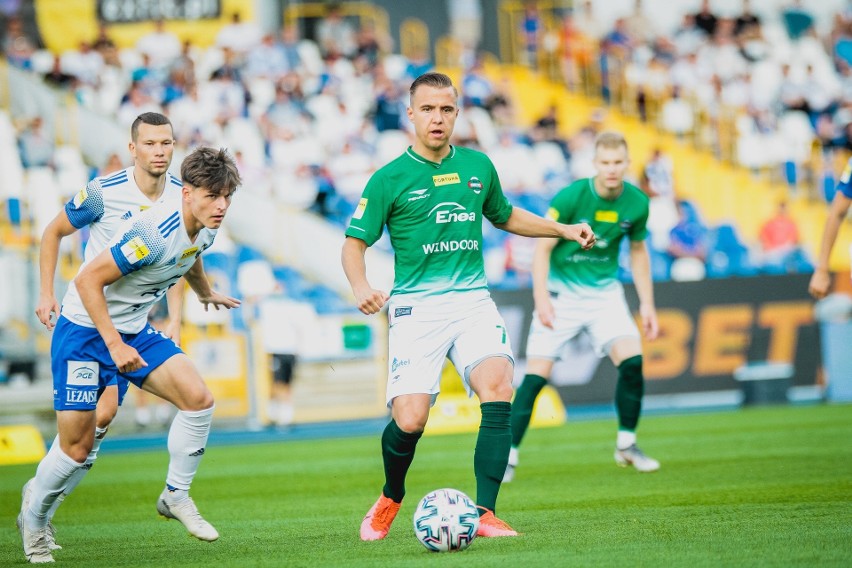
{"points": [[727, 255]]}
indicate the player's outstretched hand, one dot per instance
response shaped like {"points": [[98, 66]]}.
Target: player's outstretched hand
{"points": [[650, 325], [46, 308], [126, 358], [580, 232], [370, 300], [216, 299], [820, 283], [544, 310]]}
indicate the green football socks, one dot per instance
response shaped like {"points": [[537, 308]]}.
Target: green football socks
{"points": [[398, 453], [628, 393], [522, 406], [492, 451]]}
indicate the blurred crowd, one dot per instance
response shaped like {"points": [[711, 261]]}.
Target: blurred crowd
{"points": [[310, 119], [784, 86]]}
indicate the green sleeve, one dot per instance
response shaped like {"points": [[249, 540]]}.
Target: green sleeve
{"points": [[496, 208], [562, 207], [640, 229], [371, 214]]}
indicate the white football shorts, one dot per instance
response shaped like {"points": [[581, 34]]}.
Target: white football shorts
{"points": [[604, 315], [464, 327]]}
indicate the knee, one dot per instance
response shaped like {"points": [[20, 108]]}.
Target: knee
{"points": [[104, 417], [630, 370], [202, 400], [411, 424], [79, 451], [503, 391]]}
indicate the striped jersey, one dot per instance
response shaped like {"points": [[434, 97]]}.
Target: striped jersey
{"points": [[107, 201], [152, 250]]}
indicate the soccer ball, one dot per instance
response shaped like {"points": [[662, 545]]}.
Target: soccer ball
{"points": [[446, 520]]}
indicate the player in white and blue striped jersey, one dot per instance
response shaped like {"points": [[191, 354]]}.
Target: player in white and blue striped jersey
{"points": [[102, 206], [103, 331]]}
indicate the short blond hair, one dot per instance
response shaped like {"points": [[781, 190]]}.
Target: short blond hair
{"points": [[610, 139]]}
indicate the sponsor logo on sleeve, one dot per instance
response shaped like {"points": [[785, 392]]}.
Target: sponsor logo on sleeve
{"points": [[83, 373], [445, 179], [135, 250], [359, 211], [80, 197], [847, 172], [552, 213], [606, 216]]}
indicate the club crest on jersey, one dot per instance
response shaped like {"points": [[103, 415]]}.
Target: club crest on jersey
{"points": [[475, 185], [359, 211], [80, 197], [135, 250], [446, 179]]}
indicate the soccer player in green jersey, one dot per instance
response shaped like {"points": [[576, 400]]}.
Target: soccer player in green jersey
{"points": [[576, 290], [432, 200]]}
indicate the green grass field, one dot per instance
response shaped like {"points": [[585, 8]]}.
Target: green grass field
{"points": [[762, 487]]}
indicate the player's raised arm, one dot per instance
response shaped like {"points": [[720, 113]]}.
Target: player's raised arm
{"points": [[522, 222], [48, 258], [90, 283], [368, 299]]}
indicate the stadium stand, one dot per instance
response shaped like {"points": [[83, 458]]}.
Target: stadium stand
{"points": [[309, 122]]}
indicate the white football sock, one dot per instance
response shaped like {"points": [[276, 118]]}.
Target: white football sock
{"points": [[513, 456], [187, 440], [50, 480], [78, 475], [625, 439]]}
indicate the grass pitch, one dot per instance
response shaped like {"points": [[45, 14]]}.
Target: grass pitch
{"points": [[761, 487]]}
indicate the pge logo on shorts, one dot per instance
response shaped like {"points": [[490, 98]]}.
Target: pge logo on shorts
{"points": [[399, 363], [83, 373], [403, 311]]}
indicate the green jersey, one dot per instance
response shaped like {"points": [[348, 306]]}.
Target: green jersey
{"points": [[573, 269], [433, 213]]}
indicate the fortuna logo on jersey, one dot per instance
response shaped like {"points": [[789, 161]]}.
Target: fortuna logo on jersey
{"points": [[451, 212]]}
